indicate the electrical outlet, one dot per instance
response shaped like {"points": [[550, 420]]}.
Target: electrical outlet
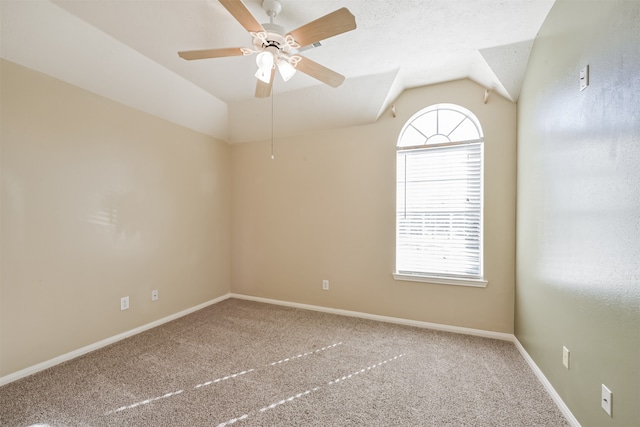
{"points": [[325, 285], [124, 303], [154, 295], [606, 401], [565, 357]]}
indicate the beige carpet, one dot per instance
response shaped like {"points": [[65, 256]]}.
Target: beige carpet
{"points": [[243, 363]]}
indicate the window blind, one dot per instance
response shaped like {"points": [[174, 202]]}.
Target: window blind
{"points": [[439, 211]]}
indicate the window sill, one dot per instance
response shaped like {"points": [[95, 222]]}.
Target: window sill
{"points": [[476, 283]]}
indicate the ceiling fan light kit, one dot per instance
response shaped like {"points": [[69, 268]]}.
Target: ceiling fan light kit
{"points": [[277, 49], [264, 60], [286, 69]]}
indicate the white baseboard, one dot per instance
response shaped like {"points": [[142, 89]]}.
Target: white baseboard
{"points": [[91, 347], [397, 320], [547, 385]]}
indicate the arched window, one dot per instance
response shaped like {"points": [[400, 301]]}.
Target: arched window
{"points": [[439, 197]]}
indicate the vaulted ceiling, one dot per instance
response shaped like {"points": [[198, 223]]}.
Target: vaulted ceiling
{"points": [[127, 51]]}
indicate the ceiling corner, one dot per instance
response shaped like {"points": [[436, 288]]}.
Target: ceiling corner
{"points": [[509, 64], [396, 87]]}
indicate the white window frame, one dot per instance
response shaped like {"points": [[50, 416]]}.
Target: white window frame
{"points": [[420, 134]]}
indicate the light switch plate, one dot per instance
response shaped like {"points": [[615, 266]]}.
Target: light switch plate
{"points": [[565, 357], [606, 401], [584, 77]]}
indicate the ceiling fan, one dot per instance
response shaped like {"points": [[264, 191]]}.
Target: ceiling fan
{"points": [[277, 49]]}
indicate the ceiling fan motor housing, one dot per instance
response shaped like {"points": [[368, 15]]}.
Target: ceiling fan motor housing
{"points": [[273, 39]]}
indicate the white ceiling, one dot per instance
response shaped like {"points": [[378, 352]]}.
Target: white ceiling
{"points": [[127, 51]]}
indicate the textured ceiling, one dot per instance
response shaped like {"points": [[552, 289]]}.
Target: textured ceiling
{"points": [[127, 51]]}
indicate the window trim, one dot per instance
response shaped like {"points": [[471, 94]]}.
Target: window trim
{"points": [[441, 280], [426, 277], [440, 145]]}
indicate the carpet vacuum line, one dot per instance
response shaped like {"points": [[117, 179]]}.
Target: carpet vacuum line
{"points": [[307, 392], [217, 380]]}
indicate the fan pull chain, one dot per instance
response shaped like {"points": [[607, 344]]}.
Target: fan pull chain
{"points": [[272, 90]]}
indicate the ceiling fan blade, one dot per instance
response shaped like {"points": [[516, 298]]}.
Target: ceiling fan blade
{"points": [[263, 90], [337, 22], [242, 15], [211, 53], [320, 72]]}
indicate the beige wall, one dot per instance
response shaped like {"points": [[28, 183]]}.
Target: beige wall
{"points": [[325, 209], [100, 201], [578, 264]]}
